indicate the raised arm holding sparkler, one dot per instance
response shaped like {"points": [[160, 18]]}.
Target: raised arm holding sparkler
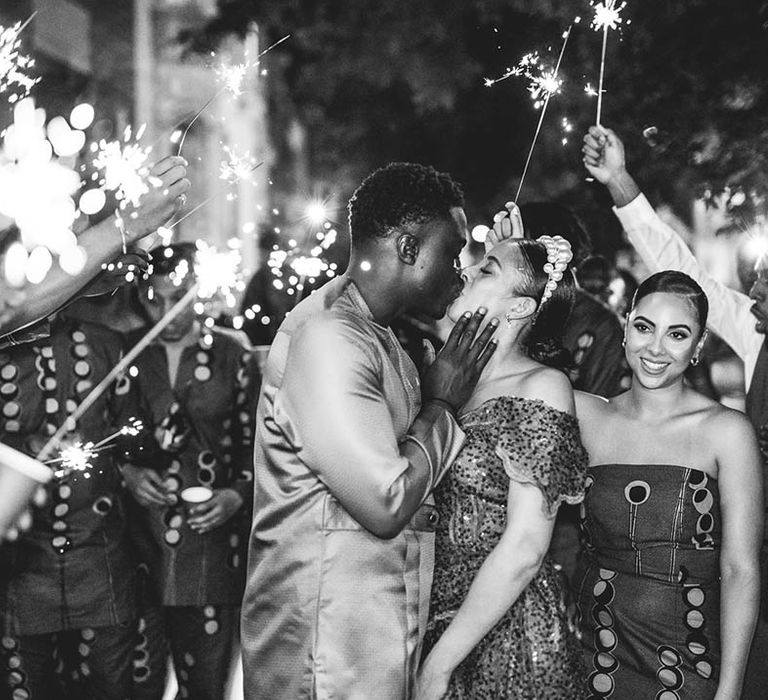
{"points": [[167, 188], [607, 16]]}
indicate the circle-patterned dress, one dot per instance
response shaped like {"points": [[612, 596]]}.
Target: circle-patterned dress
{"points": [[649, 596], [532, 652]]}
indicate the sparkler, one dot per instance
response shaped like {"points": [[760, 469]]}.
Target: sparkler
{"points": [[125, 171], [231, 76], [542, 88], [215, 273], [237, 167], [242, 174], [13, 64], [77, 455], [124, 164], [607, 16], [132, 429], [218, 272], [116, 371], [543, 81]]}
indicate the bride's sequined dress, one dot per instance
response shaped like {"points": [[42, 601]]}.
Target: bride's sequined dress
{"points": [[532, 651]]}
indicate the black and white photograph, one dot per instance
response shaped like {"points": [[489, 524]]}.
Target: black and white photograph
{"points": [[383, 349]]}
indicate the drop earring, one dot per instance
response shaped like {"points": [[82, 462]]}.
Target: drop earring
{"points": [[508, 316]]}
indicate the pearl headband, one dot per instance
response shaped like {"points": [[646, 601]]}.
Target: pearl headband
{"points": [[559, 254]]}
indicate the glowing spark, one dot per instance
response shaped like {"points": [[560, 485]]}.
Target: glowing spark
{"points": [[607, 15], [218, 272], [232, 76], [543, 86], [590, 90], [131, 429], [73, 458], [543, 81], [237, 167], [510, 72], [124, 166], [13, 64], [225, 190], [552, 81], [567, 129]]}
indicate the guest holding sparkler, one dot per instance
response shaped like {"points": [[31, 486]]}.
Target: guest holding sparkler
{"points": [[167, 186], [67, 586], [737, 318], [197, 389]]}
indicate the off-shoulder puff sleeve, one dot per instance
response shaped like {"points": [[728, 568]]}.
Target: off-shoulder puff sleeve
{"points": [[540, 445]]}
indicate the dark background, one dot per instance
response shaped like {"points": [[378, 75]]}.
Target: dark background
{"points": [[403, 80]]}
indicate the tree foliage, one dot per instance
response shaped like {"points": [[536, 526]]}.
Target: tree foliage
{"points": [[403, 79]]}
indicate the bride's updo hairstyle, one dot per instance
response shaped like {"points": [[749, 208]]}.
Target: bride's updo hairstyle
{"points": [[676, 282], [544, 340]]}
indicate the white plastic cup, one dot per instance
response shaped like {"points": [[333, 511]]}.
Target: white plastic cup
{"points": [[20, 475], [194, 495]]}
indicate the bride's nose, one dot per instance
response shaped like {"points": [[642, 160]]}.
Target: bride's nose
{"points": [[468, 273]]}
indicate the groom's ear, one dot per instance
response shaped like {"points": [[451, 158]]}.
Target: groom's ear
{"points": [[407, 248]]}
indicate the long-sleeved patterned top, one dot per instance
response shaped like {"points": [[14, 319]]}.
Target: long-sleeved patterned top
{"points": [[211, 410], [73, 568]]}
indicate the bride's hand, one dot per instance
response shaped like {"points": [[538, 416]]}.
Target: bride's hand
{"points": [[507, 223], [431, 685]]}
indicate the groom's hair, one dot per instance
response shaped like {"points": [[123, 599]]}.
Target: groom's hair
{"points": [[400, 194]]}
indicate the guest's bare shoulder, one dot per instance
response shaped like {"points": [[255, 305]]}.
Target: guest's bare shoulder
{"points": [[590, 406], [550, 386], [726, 429]]}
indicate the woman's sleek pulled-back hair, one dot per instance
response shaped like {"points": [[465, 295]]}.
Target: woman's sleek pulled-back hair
{"points": [[544, 341], [676, 282]]}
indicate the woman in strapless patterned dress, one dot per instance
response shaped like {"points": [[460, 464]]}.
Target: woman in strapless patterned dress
{"points": [[669, 577], [497, 625]]}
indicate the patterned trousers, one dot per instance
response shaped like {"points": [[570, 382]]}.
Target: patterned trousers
{"points": [[200, 641], [92, 663]]}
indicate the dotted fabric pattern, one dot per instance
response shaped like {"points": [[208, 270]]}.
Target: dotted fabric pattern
{"points": [[649, 594]]}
